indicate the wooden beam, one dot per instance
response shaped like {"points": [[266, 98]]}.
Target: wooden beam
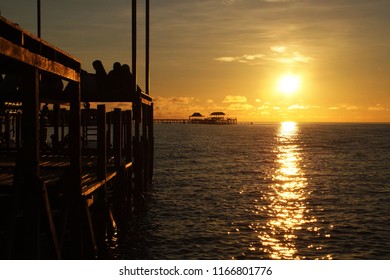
{"points": [[23, 55]]}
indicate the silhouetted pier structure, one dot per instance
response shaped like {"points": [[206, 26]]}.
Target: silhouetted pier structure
{"points": [[215, 118], [198, 118], [171, 121], [64, 198]]}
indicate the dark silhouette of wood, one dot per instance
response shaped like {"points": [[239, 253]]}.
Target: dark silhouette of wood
{"points": [[102, 142], [71, 196], [117, 137]]}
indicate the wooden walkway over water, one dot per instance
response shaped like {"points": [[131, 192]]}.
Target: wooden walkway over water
{"points": [[228, 121], [66, 197]]}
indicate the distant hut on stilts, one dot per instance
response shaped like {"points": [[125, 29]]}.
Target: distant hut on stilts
{"points": [[196, 118], [215, 118]]}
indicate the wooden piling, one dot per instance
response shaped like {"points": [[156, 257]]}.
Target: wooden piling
{"points": [[129, 135], [117, 142], [101, 143], [56, 124]]}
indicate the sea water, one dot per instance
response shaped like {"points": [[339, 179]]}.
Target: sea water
{"points": [[265, 191]]}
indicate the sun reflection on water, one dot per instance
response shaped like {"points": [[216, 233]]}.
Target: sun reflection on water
{"points": [[287, 207]]}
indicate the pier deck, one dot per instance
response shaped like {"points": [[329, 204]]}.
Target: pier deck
{"points": [[64, 198]]}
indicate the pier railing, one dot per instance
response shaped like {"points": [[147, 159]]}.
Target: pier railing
{"points": [[62, 196]]}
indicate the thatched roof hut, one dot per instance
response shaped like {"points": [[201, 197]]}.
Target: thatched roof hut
{"points": [[218, 115], [196, 115]]}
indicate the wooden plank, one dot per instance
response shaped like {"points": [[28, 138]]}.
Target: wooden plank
{"points": [[6, 179], [91, 183], [50, 221], [93, 249], [146, 100], [128, 165]]}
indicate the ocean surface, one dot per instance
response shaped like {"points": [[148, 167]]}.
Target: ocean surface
{"points": [[265, 191]]}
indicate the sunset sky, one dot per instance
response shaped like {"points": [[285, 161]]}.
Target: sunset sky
{"points": [[229, 55]]}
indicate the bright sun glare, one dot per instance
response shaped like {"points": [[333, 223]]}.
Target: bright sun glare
{"points": [[289, 84]]}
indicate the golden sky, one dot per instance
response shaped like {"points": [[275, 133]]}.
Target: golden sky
{"points": [[229, 55]]}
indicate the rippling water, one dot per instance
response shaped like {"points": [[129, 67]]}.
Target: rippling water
{"points": [[269, 191]]}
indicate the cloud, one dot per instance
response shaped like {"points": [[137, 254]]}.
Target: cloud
{"points": [[343, 107], [230, 2], [252, 56], [301, 58], [175, 107], [227, 58], [182, 100], [246, 58], [239, 107], [265, 113], [291, 58], [279, 49], [302, 107], [237, 103], [278, 54], [377, 107], [296, 107], [184, 106], [234, 99]]}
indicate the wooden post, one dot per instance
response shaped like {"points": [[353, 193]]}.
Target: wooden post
{"points": [[129, 136], [63, 112], [74, 188], [134, 45], [30, 164], [147, 47], [74, 132], [56, 124], [109, 122], [145, 145], [18, 129], [101, 142], [84, 125], [7, 130], [30, 123], [137, 150], [117, 141], [151, 141], [124, 131]]}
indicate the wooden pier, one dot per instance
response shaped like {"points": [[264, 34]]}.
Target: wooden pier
{"points": [[172, 121], [62, 196], [197, 118]]}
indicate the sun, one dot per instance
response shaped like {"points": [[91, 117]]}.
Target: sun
{"points": [[289, 84]]}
